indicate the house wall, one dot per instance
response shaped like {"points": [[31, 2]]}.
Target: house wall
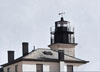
{"points": [[47, 66], [30, 66], [12, 67]]}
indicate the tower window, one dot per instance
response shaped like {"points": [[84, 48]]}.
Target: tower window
{"points": [[39, 68], [69, 68]]}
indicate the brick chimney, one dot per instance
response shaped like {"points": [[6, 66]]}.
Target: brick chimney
{"points": [[61, 55], [25, 48], [10, 56]]}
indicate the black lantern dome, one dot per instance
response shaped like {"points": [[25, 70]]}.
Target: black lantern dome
{"points": [[63, 33]]}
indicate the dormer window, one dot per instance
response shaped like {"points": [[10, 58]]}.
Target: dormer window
{"points": [[47, 53]]}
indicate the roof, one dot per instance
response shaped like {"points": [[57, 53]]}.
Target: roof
{"points": [[46, 55]]}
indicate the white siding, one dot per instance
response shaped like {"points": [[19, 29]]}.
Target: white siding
{"points": [[29, 68], [65, 68], [51, 66], [46, 68], [62, 66]]}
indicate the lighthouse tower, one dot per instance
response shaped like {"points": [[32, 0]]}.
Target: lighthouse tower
{"points": [[62, 38]]}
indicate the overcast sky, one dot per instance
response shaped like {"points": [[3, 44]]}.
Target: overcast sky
{"points": [[30, 20]]}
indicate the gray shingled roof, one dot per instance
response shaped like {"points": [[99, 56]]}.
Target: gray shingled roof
{"points": [[39, 55]]}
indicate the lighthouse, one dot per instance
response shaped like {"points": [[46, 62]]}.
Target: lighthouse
{"points": [[59, 57]]}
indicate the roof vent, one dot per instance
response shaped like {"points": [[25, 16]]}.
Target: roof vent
{"points": [[47, 53]]}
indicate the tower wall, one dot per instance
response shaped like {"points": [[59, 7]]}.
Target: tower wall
{"points": [[69, 49]]}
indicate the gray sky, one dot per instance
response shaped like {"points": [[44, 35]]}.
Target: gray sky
{"points": [[30, 20]]}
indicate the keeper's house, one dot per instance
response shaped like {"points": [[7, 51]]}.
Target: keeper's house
{"points": [[59, 58]]}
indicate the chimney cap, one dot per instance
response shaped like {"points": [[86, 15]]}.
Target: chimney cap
{"points": [[24, 42], [11, 51], [10, 56]]}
